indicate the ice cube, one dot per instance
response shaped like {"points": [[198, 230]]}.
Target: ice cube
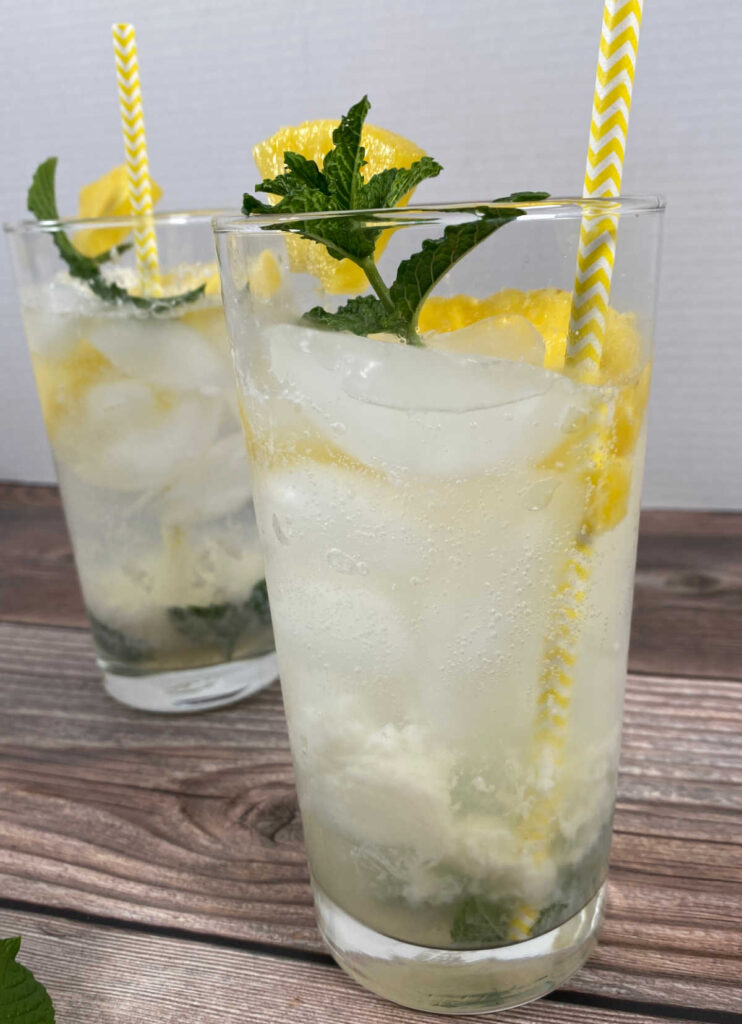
{"points": [[162, 352], [113, 405], [127, 439], [337, 626], [503, 337], [49, 334], [344, 519], [420, 410], [215, 485]]}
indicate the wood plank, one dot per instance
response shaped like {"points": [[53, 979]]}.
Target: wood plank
{"points": [[688, 595], [687, 605], [192, 822], [38, 582], [99, 975]]}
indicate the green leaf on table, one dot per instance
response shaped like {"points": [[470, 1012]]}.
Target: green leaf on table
{"points": [[42, 203], [23, 999], [221, 625], [114, 644]]}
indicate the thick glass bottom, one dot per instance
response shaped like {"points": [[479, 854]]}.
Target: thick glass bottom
{"points": [[194, 689], [459, 981]]}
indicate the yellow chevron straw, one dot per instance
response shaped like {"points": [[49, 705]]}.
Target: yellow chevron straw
{"points": [[135, 144], [605, 156]]}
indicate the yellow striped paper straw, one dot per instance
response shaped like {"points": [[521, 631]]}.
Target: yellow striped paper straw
{"points": [[597, 248], [135, 144], [609, 126]]}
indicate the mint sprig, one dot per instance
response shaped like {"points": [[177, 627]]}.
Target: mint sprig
{"points": [[339, 186], [418, 275], [42, 203], [23, 999]]}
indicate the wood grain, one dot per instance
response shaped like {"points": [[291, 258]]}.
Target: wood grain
{"points": [[98, 975], [192, 822], [38, 582], [687, 607], [688, 595]]}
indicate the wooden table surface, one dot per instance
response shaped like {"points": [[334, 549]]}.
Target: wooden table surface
{"points": [[154, 865]]}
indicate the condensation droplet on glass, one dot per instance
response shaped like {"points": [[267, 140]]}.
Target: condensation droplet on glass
{"points": [[282, 534], [539, 494], [338, 427], [341, 561]]}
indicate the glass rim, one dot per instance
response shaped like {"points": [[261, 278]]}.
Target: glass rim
{"points": [[29, 226], [553, 208]]}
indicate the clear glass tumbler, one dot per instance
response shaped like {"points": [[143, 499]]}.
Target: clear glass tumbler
{"points": [[140, 409], [449, 521]]}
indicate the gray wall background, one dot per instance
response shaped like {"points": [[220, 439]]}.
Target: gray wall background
{"points": [[499, 90]]}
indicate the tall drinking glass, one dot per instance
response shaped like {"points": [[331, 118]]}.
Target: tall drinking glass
{"points": [[449, 531], [141, 414]]}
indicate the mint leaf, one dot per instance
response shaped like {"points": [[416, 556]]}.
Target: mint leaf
{"points": [[258, 603], [343, 163], [387, 188], [306, 171], [550, 916], [363, 315], [302, 173], [114, 644], [304, 188], [23, 999], [418, 275], [479, 923], [41, 199], [223, 624], [343, 237], [219, 624], [42, 203], [109, 291]]}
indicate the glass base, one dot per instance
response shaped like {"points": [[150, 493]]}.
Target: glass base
{"points": [[193, 689], [459, 981]]}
